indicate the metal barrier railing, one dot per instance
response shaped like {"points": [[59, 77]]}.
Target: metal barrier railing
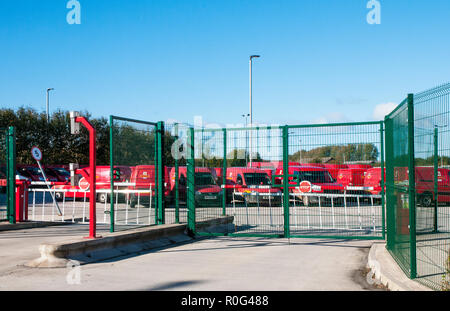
{"points": [[310, 214], [74, 206]]}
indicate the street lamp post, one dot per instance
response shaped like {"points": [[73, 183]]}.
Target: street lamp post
{"points": [[251, 108], [246, 136], [48, 90]]}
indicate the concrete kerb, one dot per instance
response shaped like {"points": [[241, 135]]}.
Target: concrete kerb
{"points": [[111, 245], [386, 270]]}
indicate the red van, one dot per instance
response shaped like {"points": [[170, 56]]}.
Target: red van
{"points": [[270, 165], [424, 189], [253, 185], [103, 181], [372, 181], [353, 179], [207, 192], [143, 178], [312, 180], [425, 186], [312, 164], [334, 169], [363, 166]]}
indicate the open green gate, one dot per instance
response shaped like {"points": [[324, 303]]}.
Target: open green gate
{"points": [[272, 208]]}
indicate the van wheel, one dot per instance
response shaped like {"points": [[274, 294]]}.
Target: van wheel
{"points": [[426, 200], [102, 198], [305, 200], [58, 196]]}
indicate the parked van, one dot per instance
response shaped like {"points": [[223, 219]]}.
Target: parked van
{"points": [[253, 185], [425, 187], [352, 179], [334, 169], [143, 178], [207, 192], [372, 181], [103, 181], [311, 180]]}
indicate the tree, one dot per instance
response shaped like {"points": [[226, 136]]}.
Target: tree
{"points": [[132, 146]]}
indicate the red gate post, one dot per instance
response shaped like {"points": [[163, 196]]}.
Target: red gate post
{"points": [[75, 118]]}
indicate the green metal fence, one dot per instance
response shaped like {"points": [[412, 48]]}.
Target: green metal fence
{"points": [[418, 205], [432, 185], [176, 163], [399, 133], [137, 181], [284, 181], [348, 201], [229, 154]]}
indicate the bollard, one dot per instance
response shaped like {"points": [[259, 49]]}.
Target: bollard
{"points": [[21, 201]]}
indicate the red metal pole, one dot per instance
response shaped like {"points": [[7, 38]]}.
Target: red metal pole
{"points": [[92, 177]]}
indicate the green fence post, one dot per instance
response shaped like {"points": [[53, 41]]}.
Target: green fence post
{"points": [[224, 173], [286, 211], [390, 198], [111, 166], [202, 157], [177, 151], [190, 195], [155, 191], [383, 210], [160, 175], [412, 185], [436, 170], [11, 174]]}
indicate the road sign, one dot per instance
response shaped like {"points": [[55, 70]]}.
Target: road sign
{"points": [[36, 153], [305, 186], [83, 184]]}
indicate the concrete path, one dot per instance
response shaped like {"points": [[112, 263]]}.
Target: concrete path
{"points": [[17, 247], [207, 264]]}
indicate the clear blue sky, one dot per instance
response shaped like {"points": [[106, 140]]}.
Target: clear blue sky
{"points": [[176, 59]]}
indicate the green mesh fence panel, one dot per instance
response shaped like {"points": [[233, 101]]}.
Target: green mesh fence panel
{"points": [[176, 210], [336, 180], [132, 195], [248, 166], [229, 180], [397, 186], [432, 185]]}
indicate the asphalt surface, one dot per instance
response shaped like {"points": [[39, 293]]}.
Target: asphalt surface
{"points": [[223, 263]]}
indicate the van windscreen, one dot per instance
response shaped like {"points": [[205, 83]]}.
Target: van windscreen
{"points": [[204, 179], [318, 177], [62, 171], [256, 179]]}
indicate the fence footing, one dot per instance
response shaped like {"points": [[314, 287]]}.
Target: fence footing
{"points": [[386, 271]]}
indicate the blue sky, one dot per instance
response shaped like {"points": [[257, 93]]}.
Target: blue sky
{"points": [[176, 59]]}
